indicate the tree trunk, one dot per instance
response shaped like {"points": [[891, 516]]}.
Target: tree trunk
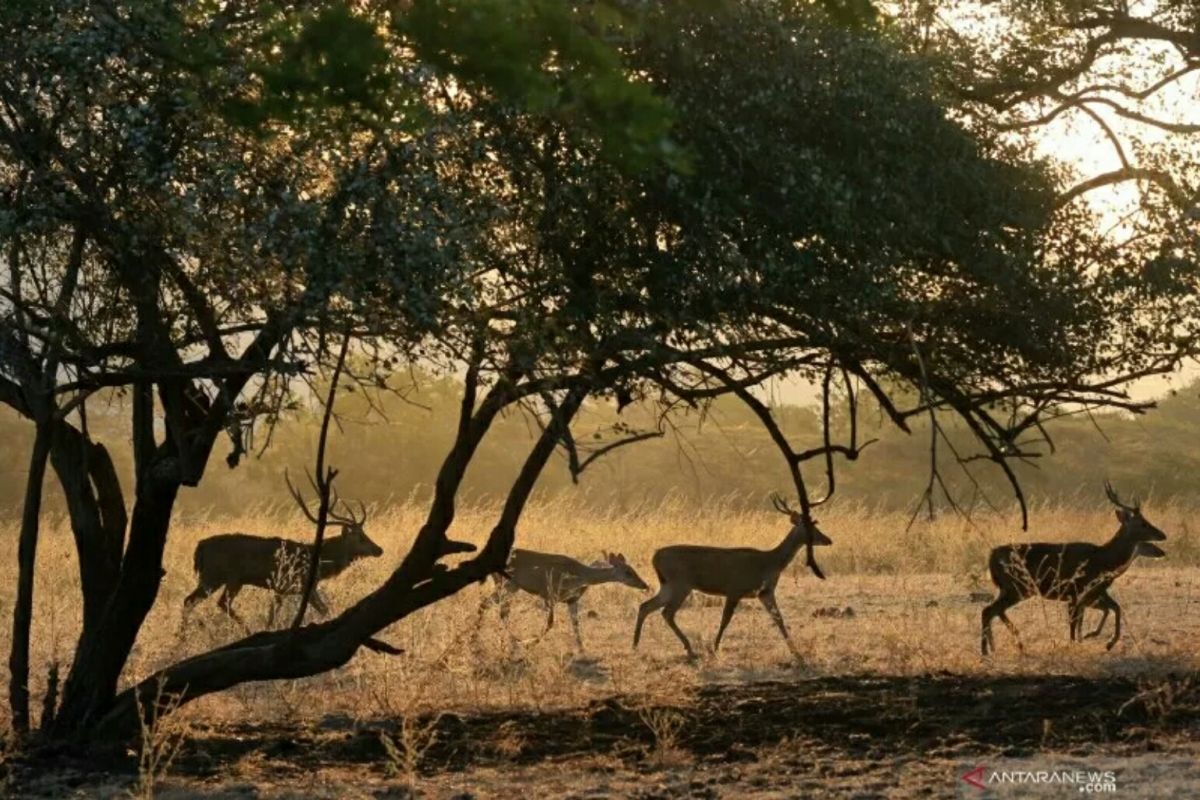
{"points": [[18, 660], [92, 683], [96, 506]]}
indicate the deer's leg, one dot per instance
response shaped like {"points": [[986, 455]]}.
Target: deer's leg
{"points": [[1100, 627], [987, 642], [1098, 603], [202, 591], [573, 607], [668, 612], [1075, 612], [1106, 603], [767, 598], [503, 597], [1012, 629], [225, 601], [649, 607], [731, 604], [995, 609]]}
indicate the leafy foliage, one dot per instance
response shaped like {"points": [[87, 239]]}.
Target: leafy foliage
{"points": [[668, 202]]}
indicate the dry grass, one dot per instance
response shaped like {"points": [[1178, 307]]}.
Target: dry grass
{"points": [[910, 593], [915, 599]]}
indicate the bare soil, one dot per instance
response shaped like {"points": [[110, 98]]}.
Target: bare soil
{"points": [[843, 736]]}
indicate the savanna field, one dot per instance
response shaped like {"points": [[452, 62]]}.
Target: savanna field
{"points": [[891, 698]]}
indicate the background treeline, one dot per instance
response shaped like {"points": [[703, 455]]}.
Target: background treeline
{"points": [[389, 447]]}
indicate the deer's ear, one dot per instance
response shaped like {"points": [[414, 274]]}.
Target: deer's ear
{"points": [[1122, 515]]}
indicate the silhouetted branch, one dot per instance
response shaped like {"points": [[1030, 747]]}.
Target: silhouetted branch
{"points": [[324, 485]]}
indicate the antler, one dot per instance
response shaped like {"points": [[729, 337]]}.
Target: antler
{"points": [[1116, 501], [349, 518], [782, 507], [335, 500], [300, 501]]}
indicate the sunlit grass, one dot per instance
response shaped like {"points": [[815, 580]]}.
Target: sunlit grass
{"points": [[911, 592]]}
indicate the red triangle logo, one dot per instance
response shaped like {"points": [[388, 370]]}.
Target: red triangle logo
{"points": [[975, 778]]}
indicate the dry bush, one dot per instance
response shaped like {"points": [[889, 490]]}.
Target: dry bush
{"points": [[163, 733], [666, 724]]}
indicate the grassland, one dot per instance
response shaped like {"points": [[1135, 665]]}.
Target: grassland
{"points": [[488, 707]]}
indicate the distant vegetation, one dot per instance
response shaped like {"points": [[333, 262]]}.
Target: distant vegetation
{"points": [[392, 453]]}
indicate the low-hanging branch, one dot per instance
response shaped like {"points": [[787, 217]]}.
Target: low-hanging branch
{"points": [[316, 648], [792, 458]]}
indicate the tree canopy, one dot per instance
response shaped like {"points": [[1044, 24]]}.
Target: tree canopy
{"points": [[556, 202]]}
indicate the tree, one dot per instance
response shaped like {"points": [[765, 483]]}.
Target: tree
{"points": [[204, 253], [1114, 71], [438, 209]]}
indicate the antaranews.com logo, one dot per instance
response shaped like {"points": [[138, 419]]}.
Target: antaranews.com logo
{"points": [[982, 781]]}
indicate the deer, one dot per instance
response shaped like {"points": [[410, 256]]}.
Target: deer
{"points": [[1077, 573], [730, 572], [229, 561], [560, 579]]}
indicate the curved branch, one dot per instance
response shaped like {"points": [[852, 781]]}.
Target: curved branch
{"points": [[1158, 177]]}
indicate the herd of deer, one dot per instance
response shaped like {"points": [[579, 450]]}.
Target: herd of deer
{"points": [[1077, 573]]}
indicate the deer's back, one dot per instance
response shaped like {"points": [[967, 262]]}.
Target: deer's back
{"points": [[1055, 570], [714, 570], [242, 558], [546, 574]]}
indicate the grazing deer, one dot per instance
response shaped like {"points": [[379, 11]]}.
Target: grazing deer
{"points": [[729, 572], [560, 579], [1077, 573], [230, 561]]}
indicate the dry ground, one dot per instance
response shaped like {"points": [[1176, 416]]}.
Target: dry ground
{"points": [[890, 701]]}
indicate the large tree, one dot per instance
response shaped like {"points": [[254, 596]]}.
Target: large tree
{"points": [[237, 191]]}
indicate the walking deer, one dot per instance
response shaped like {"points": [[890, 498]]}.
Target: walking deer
{"points": [[560, 579], [729, 572], [229, 561], [1077, 573]]}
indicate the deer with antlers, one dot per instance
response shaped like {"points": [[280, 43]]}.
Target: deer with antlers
{"points": [[730, 572], [1077, 573], [229, 561]]}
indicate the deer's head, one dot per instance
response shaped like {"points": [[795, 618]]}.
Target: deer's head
{"points": [[623, 571], [1134, 526], [801, 528], [358, 543]]}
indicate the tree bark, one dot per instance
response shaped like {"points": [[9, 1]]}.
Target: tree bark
{"points": [[96, 507], [18, 661], [92, 683]]}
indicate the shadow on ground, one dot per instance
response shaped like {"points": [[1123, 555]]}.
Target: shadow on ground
{"points": [[857, 717], [875, 722]]}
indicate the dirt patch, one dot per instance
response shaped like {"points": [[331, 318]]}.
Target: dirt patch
{"points": [[816, 733]]}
